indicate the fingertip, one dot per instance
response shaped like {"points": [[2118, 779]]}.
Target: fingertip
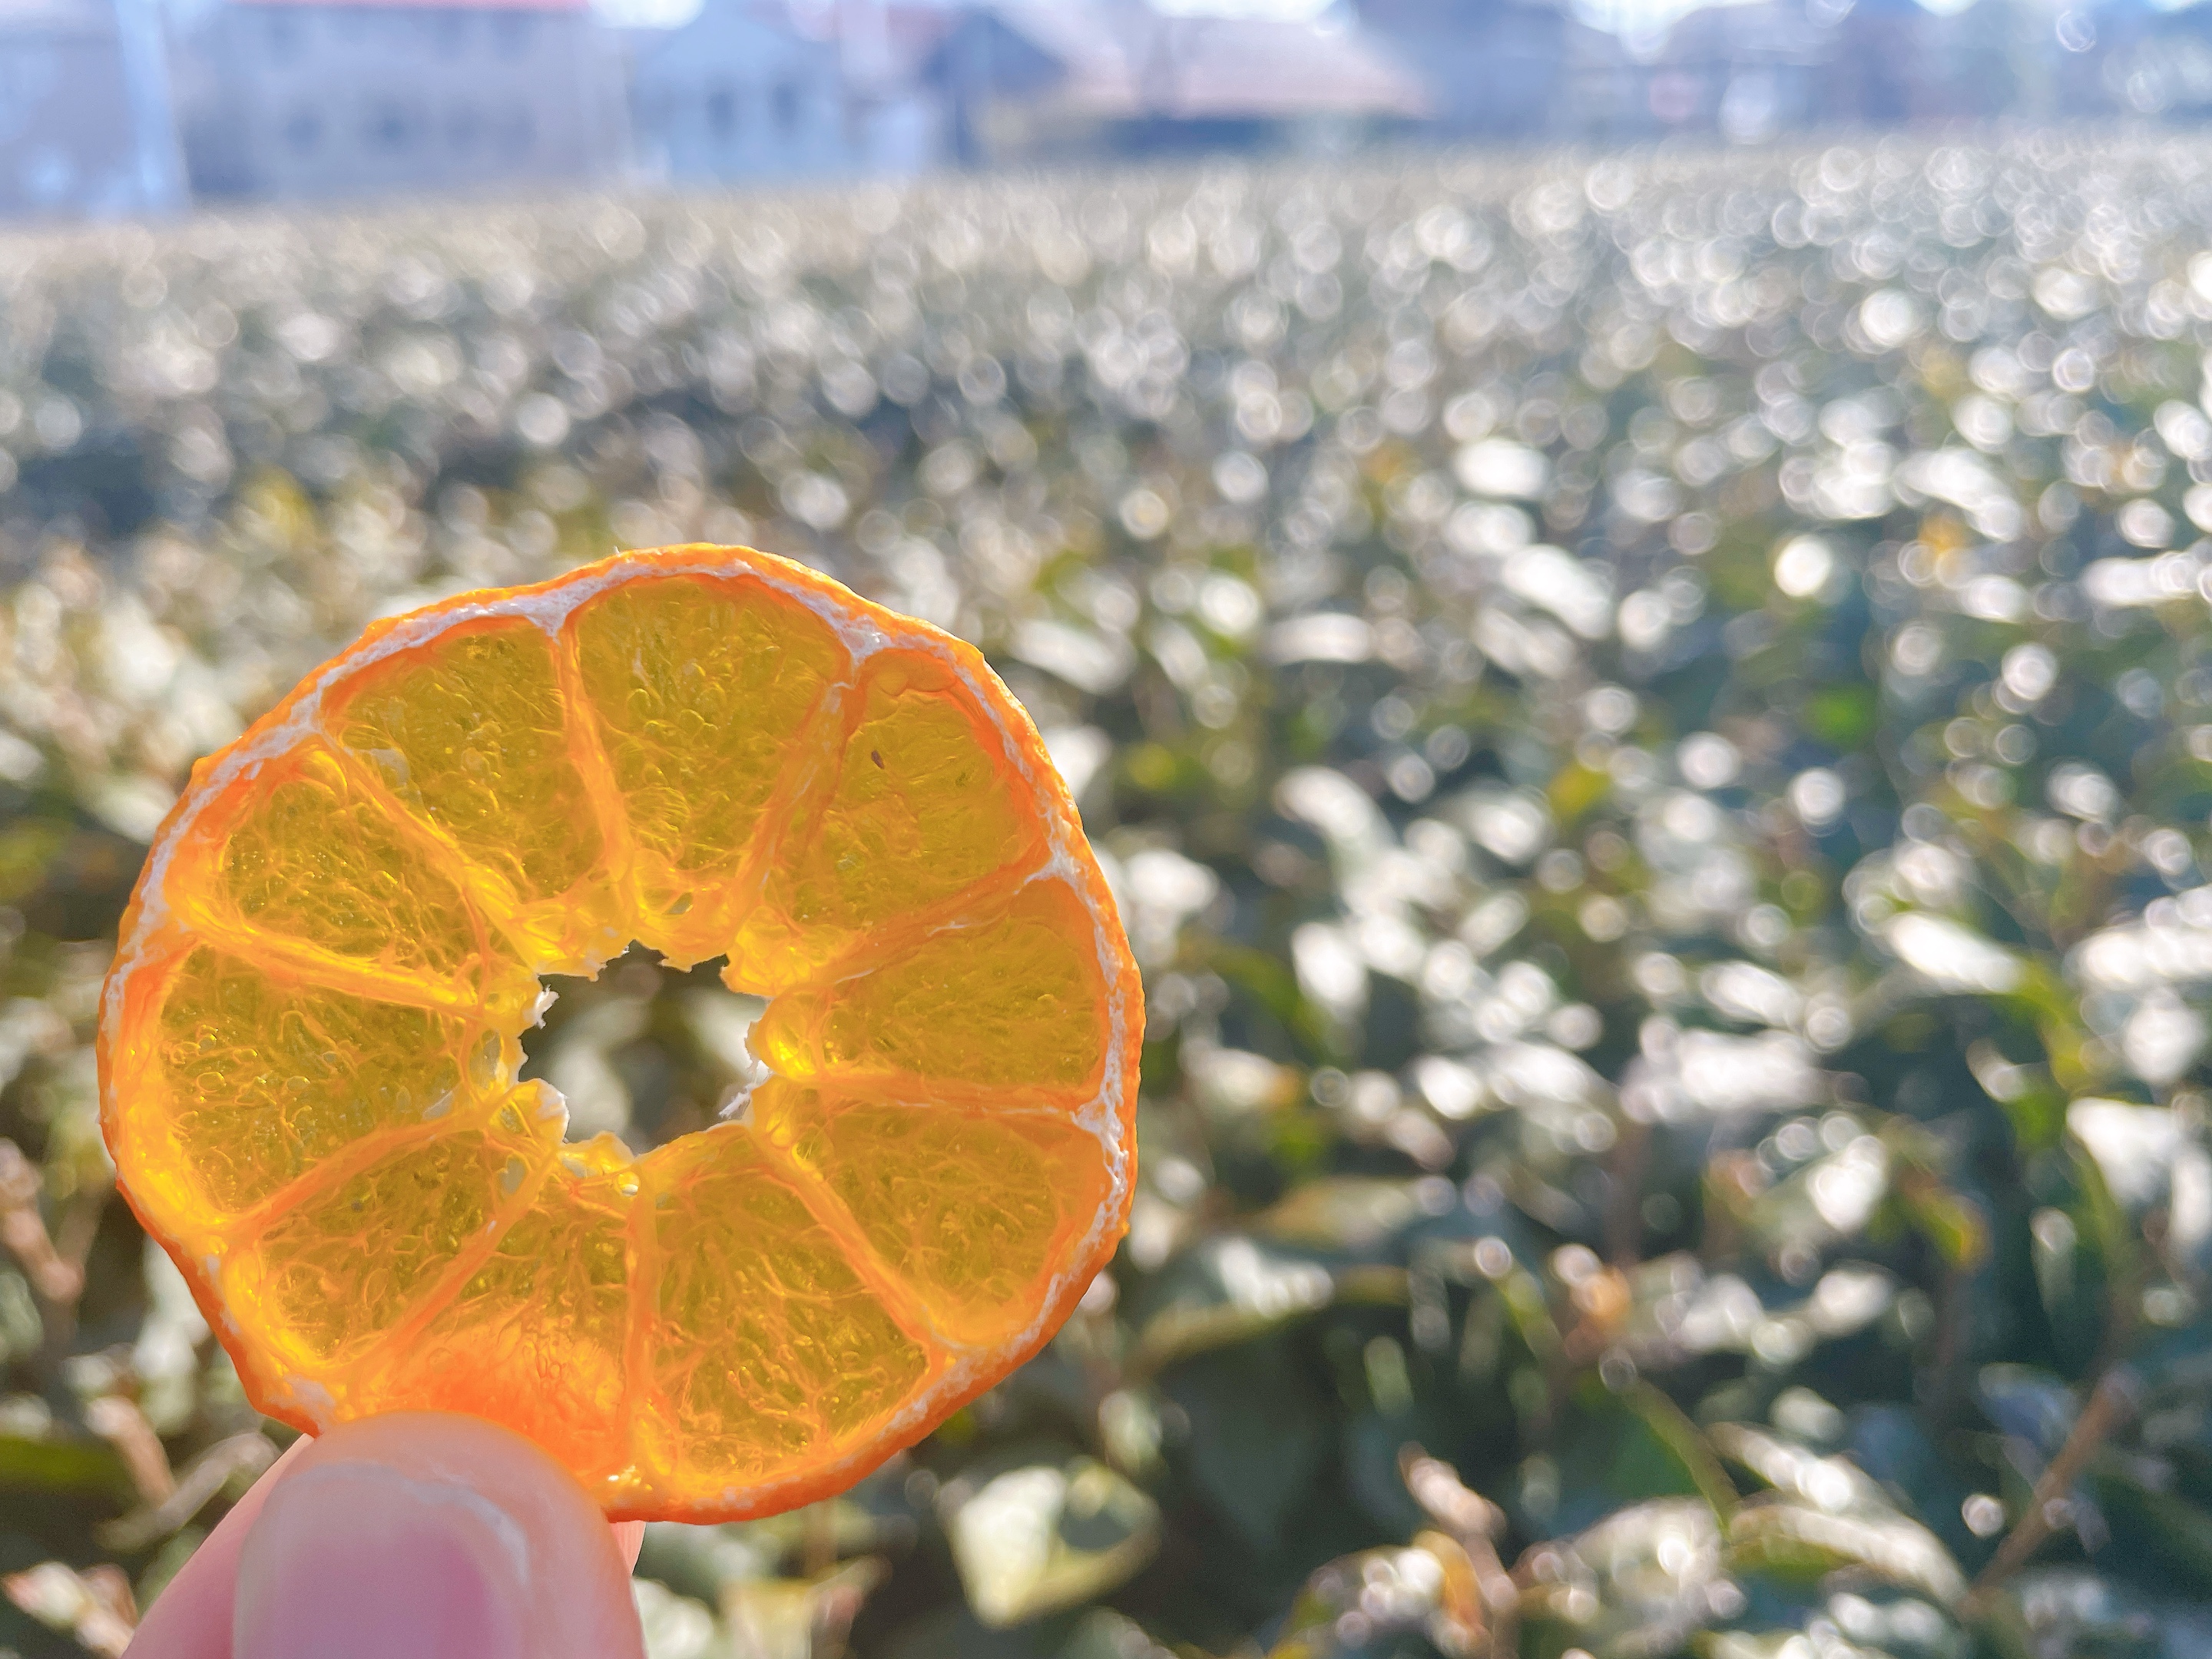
{"points": [[191, 1617], [431, 1534], [629, 1539]]}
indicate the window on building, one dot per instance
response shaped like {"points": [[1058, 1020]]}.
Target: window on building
{"points": [[785, 98], [449, 32], [512, 32], [723, 112], [463, 128], [303, 131]]}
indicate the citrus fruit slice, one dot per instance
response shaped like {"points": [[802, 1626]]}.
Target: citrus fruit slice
{"points": [[310, 1038]]}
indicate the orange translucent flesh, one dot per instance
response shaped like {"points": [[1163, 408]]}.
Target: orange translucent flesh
{"points": [[535, 1336], [921, 804], [703, 690], [806, 1358], [309, 1064], [252, 1082], [468, 735], [977, 1207], [1012, 998], [324, 1281], [302, 869]]}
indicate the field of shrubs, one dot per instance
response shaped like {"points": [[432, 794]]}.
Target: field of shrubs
{"points": [[1651, 718]]}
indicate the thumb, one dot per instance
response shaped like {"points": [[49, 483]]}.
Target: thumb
{"points": [[433, 1536]]}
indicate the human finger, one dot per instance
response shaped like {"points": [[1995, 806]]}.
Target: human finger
{"points": [[420, 1534], [190, 1618]]}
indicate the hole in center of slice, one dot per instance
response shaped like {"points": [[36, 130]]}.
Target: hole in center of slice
{"points": [[644, 1051]]}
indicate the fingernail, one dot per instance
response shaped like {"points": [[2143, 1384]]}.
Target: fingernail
{"points": [[359, 1561]]}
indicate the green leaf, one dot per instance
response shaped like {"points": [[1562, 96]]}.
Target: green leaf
{"points": [[1794, 1541], [1043, 1536], [1260, 1432], [64, 1468]]}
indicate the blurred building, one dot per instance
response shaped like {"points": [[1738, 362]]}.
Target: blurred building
{"points": [[1116, 75], [754, 89], [1748, 71], [1753, 70], [1900, 63], [1491, 67], [743, 91], [290, 100], [85, 122], [2132, 58]]}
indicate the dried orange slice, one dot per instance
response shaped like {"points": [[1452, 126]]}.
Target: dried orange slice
{"points": [[310, 1037]]}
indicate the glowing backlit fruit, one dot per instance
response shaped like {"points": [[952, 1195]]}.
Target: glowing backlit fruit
{"points": [[309, 1041]]}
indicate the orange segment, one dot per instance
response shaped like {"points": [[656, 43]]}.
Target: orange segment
{"points": [[250, 1082], [534, 1340], [1013, 999], [298, 867], [307, 1039], [467, 731], [333, 1276], [972, 1208], [807, 1357], [702, 687], [925, 803]]}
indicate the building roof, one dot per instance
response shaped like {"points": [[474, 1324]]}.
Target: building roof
{"points": [[563, 6], [877, 42], [56, 16], [723, 37], [1123, 61], [1771, 30]]}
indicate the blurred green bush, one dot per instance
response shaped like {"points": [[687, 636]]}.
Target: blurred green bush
{"points": [[1652, 723]]}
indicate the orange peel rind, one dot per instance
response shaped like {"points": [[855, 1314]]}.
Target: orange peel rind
{"points": [[310, 1037]]}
